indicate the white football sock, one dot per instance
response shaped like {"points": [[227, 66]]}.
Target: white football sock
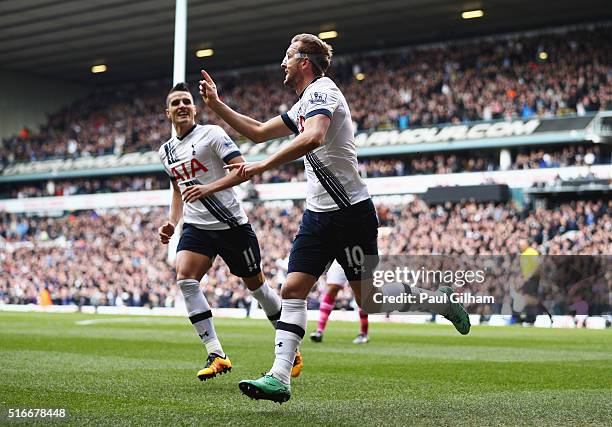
{"points": [[269, 301], [200, 315], [425, 305], [290, 330]]}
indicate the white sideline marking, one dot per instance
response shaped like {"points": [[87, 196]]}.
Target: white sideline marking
{"points": [[117, 320], [163, 313]]}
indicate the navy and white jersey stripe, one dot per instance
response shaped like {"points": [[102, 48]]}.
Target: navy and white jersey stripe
{"points": [[331, 184], [213, 148], [333, 180], [215, 207], [168, 149]]}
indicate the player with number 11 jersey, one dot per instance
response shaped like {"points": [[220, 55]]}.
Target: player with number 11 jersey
{"points": [[214, 222]]}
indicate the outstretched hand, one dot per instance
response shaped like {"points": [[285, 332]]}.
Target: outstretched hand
{"points": [[208, 89], [247, 169]]}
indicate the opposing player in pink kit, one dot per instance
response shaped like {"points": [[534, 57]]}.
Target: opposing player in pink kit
{"points": [[336, 281]]}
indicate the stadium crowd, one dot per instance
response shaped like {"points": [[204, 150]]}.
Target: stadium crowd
{"points": [[113, 257], [523, 76], [371, 167], [71, 187], [439, 163]]}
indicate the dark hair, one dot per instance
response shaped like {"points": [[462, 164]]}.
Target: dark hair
{"points": [[179, 87]]}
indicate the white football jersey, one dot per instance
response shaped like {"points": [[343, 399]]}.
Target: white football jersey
{"points": [[198, 158], [333, 180]]}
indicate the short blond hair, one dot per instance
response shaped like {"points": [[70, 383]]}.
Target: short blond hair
{"points": [[312, 45]]}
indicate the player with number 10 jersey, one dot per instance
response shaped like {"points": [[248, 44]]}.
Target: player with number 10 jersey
{"points": [[340, 221]]}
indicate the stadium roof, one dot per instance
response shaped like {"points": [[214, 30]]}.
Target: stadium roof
{"points": [[64, 38]]}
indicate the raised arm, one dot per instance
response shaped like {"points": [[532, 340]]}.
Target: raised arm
{"points": [[255, 130]]}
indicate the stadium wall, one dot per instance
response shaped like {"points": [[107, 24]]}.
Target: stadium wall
{"points": [[27, 99]]}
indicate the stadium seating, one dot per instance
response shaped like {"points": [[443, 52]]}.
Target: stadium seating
{"points": [[369, 167], [481, 80], [113, 257]]}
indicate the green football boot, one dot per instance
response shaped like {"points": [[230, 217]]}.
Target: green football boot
{"points": [[457, 313], [267, 388]]}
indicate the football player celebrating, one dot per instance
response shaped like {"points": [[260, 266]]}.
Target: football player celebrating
{"points": [[340, 220], [214, 222]]}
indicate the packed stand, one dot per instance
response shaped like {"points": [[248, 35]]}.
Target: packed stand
{"points": [[457, 162], [95, 185], [572, 155], [371, 167], [113, 257], [448, 83]]}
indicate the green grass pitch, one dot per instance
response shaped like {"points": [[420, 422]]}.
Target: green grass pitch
{"points": [[141, 371]]}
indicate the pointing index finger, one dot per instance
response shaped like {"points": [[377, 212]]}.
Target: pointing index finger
{"points": [[206, 76]]}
